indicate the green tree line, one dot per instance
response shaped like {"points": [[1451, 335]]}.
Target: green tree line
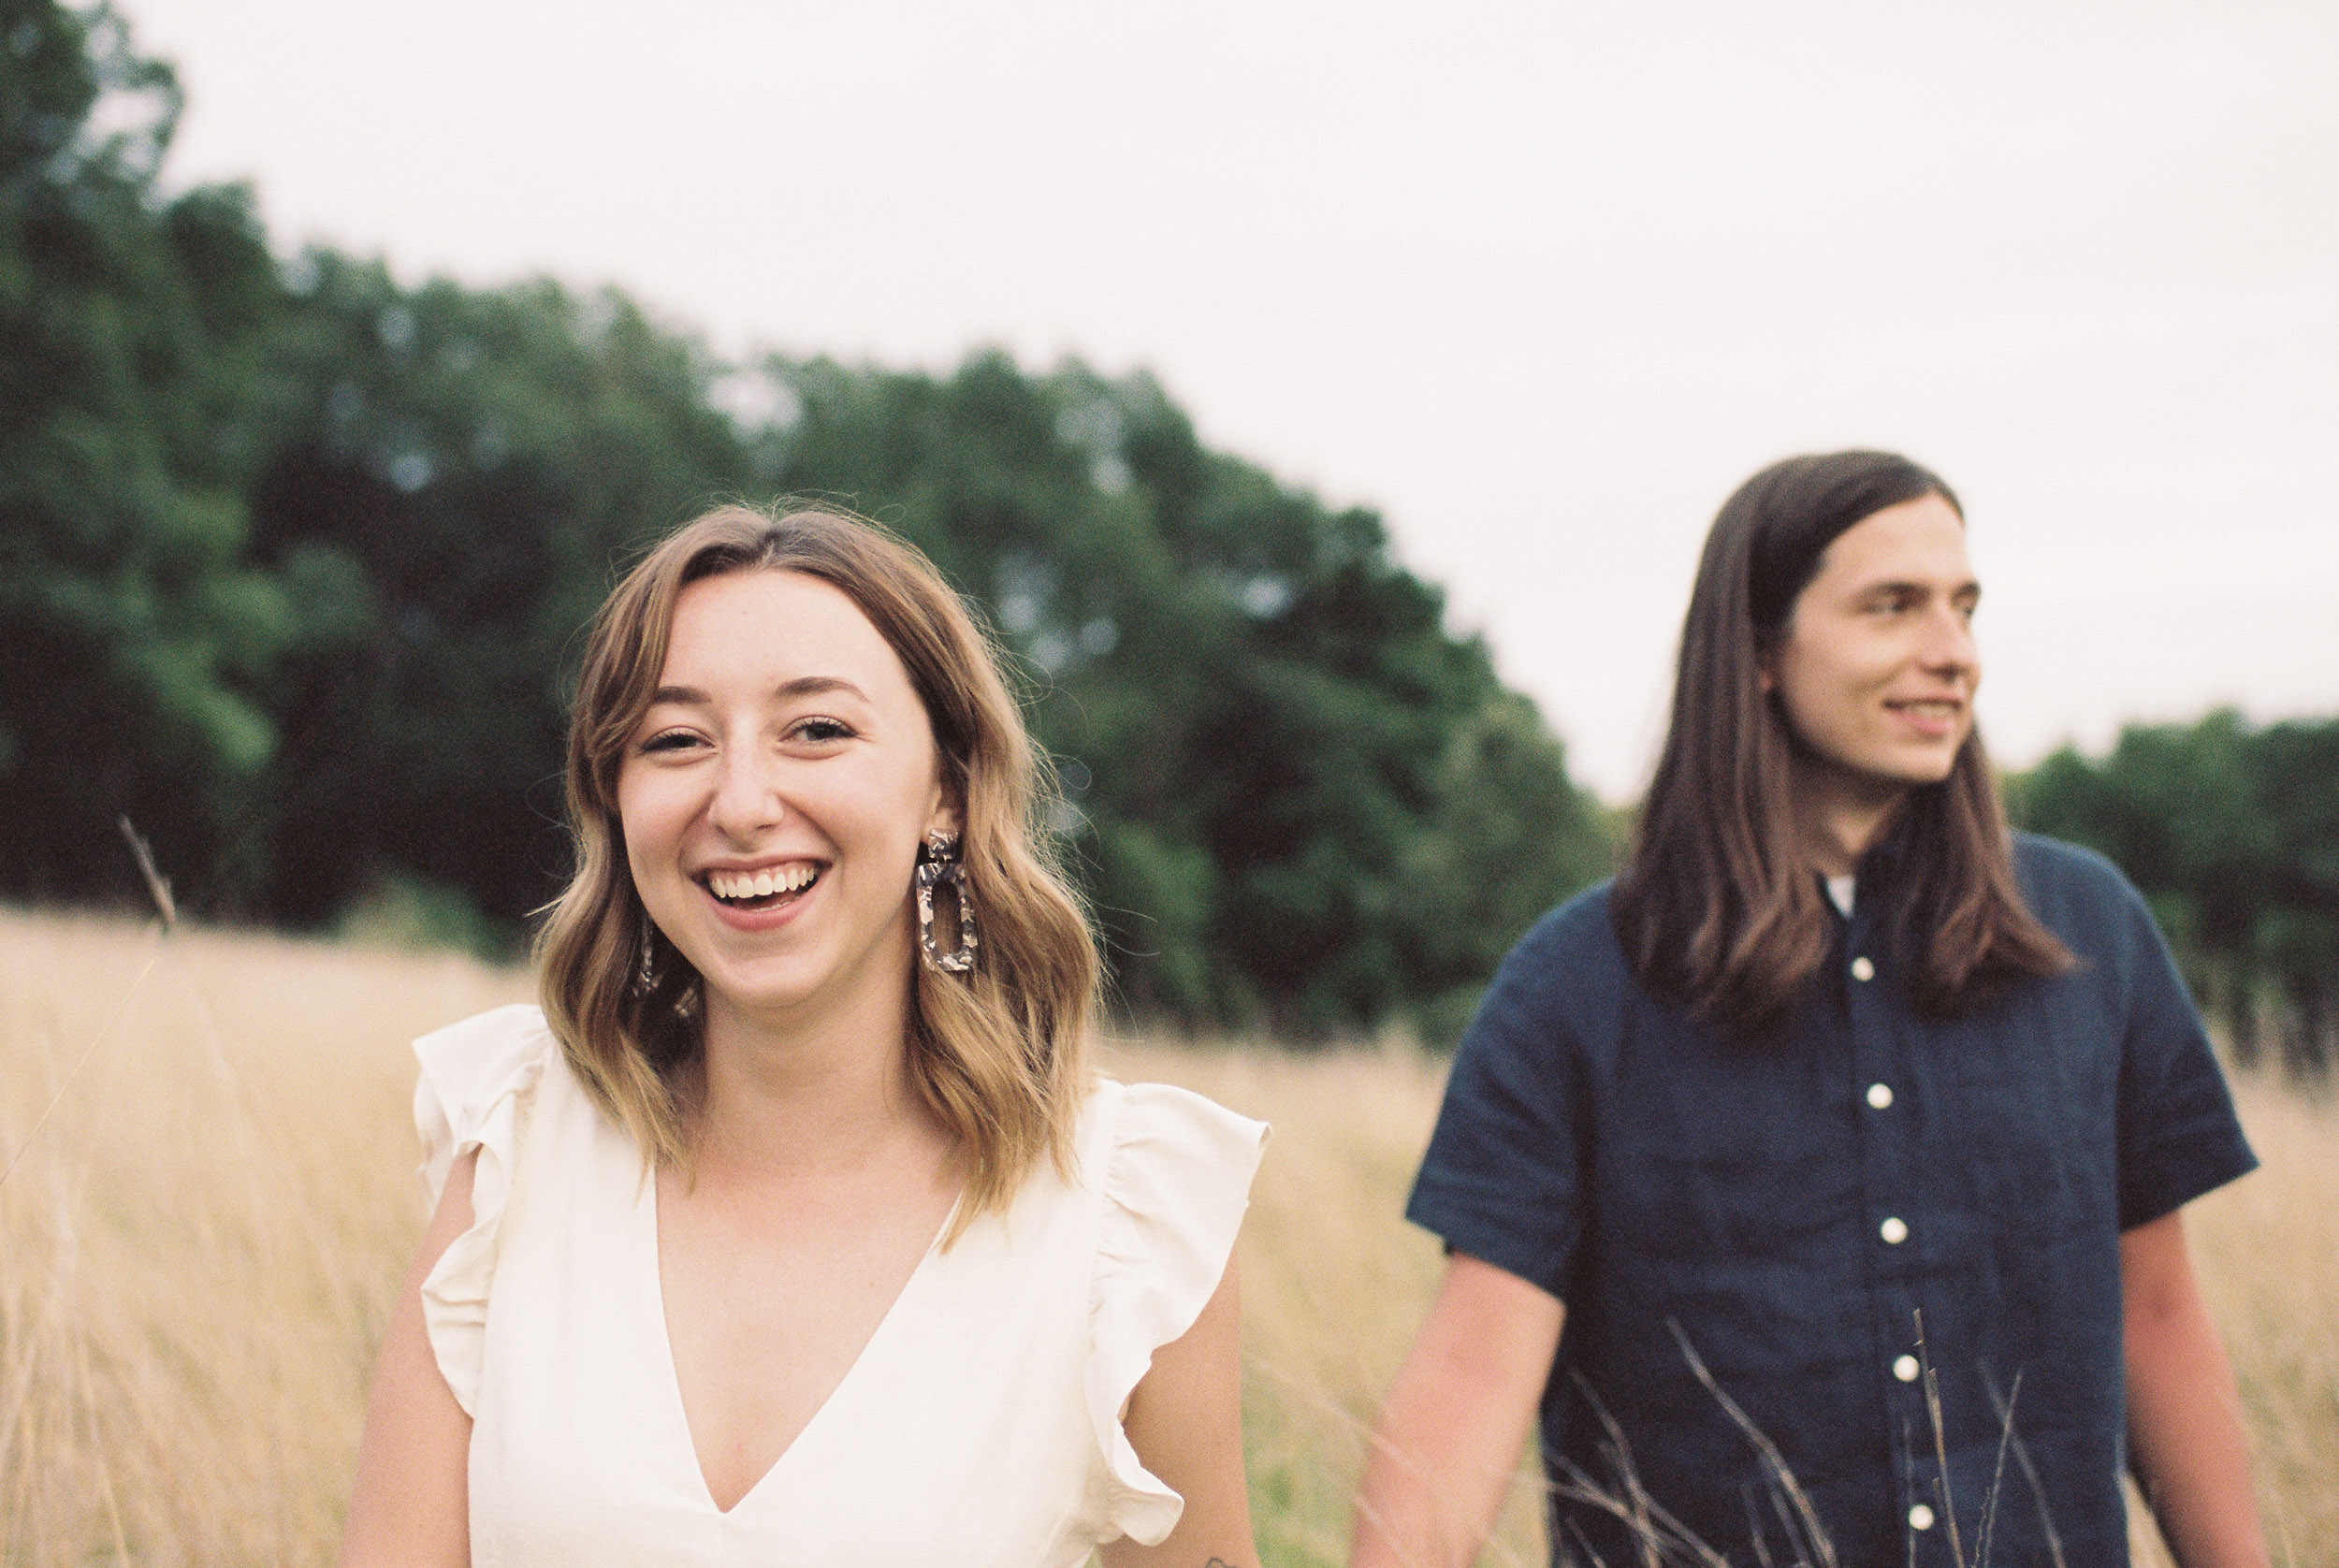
{"points": [[2233, 833], [293, 560]]}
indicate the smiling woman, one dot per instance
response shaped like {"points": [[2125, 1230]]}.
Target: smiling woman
{"points": [[788, 1228], [775, 798]]}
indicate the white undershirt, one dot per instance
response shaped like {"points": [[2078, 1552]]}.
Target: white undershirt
{"points": [[1840, 892]]}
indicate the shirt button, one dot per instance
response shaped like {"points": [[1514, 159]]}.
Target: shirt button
{"points": [[1906, 1368], [1879, 1095], [1862, 969], [1894, 1230], [1921, 1517]]}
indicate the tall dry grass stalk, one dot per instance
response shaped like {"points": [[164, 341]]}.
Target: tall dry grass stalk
{"points": [[210, 1193], [212, 1198], [2267, 1248]]}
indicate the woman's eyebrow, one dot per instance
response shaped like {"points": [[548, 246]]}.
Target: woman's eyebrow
{"points": [[802, 686], [814, 685]]}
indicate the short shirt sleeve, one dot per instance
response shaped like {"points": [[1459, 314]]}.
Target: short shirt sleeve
{"points": [[2178, 1134], [1173, 1175], [477, 1078], [1503, 1179]]}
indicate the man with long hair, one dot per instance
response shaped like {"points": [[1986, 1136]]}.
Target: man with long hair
{"points": [[1819, 1180]]}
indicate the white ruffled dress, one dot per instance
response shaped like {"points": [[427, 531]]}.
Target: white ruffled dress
{"points": [[980, 1425]]}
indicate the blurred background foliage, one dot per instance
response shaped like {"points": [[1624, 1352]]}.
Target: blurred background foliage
{"points": [[294, 559], [2233, 833]]}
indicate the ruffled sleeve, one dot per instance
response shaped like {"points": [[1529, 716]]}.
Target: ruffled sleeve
{"points": [[477, 1076], [1175, 1180]]}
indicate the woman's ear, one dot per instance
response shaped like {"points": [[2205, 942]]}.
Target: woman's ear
{"points": [[945, 818]]}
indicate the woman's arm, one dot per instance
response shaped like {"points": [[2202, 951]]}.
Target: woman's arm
{"points": [[410, 1506], [1185, 1422], [2186, 1436]]}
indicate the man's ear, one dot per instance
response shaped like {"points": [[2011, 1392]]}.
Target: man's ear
{"points": [[1766, 645]]}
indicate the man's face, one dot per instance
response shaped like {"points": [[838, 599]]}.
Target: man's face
{"points": [[1877, 667]]}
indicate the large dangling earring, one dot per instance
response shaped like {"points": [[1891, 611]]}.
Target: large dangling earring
{"points": [[646, 967], [938, 864]]}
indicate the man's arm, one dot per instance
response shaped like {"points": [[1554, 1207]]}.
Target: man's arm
{"points": [[1449, 1439], [2187, 1442]]}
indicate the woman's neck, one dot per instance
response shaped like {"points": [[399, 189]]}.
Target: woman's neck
{"points": [[835, 1090]]}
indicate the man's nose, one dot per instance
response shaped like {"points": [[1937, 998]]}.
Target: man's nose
{"points": [[1949, 643]]}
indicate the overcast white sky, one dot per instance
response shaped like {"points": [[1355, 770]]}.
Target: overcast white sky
{"points": [[1541, 281]]}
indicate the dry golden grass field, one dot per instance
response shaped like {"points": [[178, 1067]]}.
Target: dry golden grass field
{"points": [[208, 1197]]}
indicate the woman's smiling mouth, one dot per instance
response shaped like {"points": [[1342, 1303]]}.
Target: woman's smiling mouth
{"points": [[760, 889]]}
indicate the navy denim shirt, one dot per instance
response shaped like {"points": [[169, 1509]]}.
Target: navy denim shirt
{"points": [[1834, 1220]]}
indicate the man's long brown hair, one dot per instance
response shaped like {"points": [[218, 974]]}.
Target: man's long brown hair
{"points": [[1719, 903]]}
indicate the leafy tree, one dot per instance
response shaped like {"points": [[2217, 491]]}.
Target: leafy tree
{"points": [[1274, 743], [455, 476], [134, 634], [2232, 834], [296, 558]]}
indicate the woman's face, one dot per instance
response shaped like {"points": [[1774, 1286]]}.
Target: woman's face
{"points": [[1877, 667], [773, 796]]}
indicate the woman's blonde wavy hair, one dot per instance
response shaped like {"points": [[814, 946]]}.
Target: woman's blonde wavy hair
{"points": [[1000, 1054]]}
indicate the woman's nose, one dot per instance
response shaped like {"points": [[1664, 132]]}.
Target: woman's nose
{"points": [[747, 793]]}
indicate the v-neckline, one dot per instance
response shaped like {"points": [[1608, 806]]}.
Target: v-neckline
{"points": [[680, 1409]]}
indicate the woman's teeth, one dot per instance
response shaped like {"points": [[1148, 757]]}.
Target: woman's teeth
{"points": [[737, 886]]}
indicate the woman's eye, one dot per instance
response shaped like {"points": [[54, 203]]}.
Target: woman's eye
{"points": [[669, 740], [822, 730]]}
